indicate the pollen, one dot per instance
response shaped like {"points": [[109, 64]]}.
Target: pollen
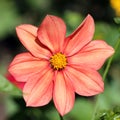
{"points": [[58, 61]]}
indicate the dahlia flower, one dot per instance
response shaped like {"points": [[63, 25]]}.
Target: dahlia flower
{"points": [[55, 66]]}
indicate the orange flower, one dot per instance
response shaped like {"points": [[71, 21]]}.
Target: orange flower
{"points": [[57, 66]]}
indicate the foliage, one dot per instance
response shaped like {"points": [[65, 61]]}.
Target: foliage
{"points": [[8, 88], [113, 114]]}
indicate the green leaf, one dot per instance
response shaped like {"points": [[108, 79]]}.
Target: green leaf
{"points": [[117, 20], [111, 114], [8, 88]]}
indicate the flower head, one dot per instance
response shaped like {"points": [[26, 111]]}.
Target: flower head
{"points": [[57, 66]]}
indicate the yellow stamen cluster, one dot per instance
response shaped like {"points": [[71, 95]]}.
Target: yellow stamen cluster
{"points": [[58, 61]]}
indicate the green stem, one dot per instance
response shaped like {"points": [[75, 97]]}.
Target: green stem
{"points": [[61, 118], [104, 77], [110, 60]]}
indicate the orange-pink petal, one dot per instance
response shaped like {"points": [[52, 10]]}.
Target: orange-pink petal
{"points": [[25, 66], [63, 94], [20, 85], [38, 92], [52, 33], [28, 37], [93, 55], [80, 37], [86, 82]]}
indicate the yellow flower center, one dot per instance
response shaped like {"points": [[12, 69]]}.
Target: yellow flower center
{"points": [[58, 61]]}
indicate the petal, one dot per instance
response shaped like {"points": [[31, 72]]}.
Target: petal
{"points": [[38, 92], [63, 94], [20, 85], [80, 37], [28, 37], [25, 66], [92, 55], [86, 82], [52, 33]]}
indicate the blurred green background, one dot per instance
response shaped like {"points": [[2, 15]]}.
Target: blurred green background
{"points": [[16, 12]]}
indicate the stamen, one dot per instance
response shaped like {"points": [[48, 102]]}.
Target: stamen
{"points": [[58, 61]]}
